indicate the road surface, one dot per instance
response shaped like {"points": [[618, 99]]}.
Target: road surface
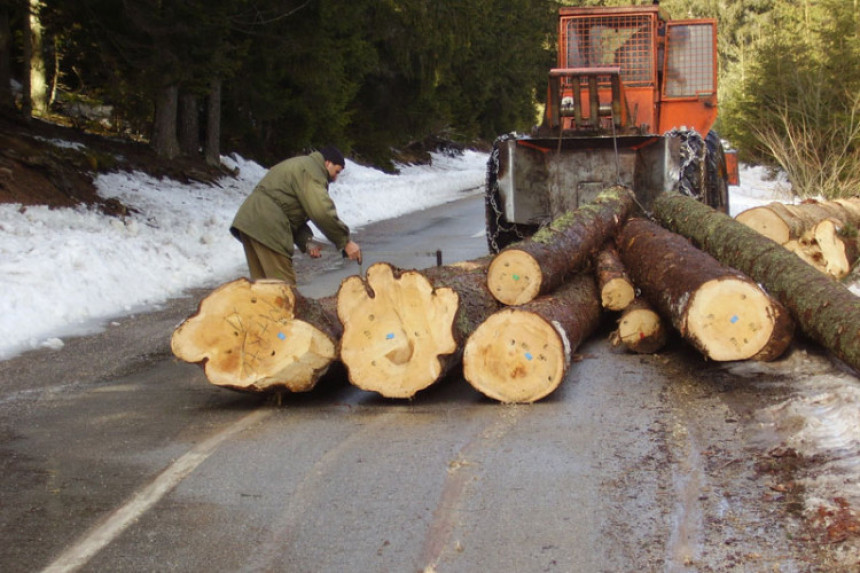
{"points": [[117, 457]]}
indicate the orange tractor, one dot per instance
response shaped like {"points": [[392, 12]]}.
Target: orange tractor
{"points": [[632, 102]]}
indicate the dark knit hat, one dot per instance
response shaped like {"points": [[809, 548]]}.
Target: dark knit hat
{"points": [[333, 154]]}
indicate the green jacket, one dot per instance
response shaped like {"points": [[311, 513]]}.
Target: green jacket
{"points": [[277, 211]]}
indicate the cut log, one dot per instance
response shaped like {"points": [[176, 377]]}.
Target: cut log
{"points": [[721, 312], [525, 270], [260, 336], [404, 330], [522, 354], [825, 310], [616, 288], [785, 222], [838, 244], [640, 329]]}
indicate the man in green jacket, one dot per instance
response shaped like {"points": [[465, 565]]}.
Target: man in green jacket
{"points": [[275, 216]]}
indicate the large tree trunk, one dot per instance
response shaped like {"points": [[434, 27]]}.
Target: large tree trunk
{"points": [[212, 145], [164, 138], [522, 354], [783, 222], [404, 330], [7, 100], [640, 329], [38, 75], [189, 125], [26, 61], [721, 312], [525, 270], [616, 288], [260, 336], [825, 310]]}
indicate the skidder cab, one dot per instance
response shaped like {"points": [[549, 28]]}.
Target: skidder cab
{"points": [[631, 102]]}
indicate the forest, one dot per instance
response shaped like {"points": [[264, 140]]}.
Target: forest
{"points": [[380, 78]]}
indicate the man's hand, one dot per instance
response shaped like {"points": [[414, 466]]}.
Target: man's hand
{"points": [[353, 251], [314, 250]]}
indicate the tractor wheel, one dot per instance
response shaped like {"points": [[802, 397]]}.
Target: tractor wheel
{"points": [[500, 231], [717, 185], [693, 175]]}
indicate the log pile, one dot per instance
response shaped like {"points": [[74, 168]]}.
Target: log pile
{"points": [[720, 286], [822, 233], [722, 313], [525, 270]]}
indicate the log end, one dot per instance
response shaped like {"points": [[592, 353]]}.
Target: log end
{"points": [[834, 250], [766, 222], [514, 277], [515, 357], [730, 319], [397, 331], [246, 337], [617, 294], [640, 330]]}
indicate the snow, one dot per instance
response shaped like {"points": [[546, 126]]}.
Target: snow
{"points": [[67, 272]]}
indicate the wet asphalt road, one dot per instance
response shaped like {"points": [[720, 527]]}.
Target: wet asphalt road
{"points": [[116, 457]]}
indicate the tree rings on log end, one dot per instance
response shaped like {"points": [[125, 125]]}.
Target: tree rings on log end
{"points": [[247, 338], [617, 294], [395, 330], [515, 356], [514, 277], [641, 330], [731, 319], [766, 222]]}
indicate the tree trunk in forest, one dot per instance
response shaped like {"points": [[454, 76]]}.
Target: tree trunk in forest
{"points": [[616, 288], [164, 139], [640, 329], [825, 310], [260, 336], [7, 99], [212, 145], [38, 75], [189, 125], [722, 313], [26, 60], [535, 266], [404, 330], [523, 354], [783, 222]]}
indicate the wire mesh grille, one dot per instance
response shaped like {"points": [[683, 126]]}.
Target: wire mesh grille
{"points": [[690, 60], [619, 40]]}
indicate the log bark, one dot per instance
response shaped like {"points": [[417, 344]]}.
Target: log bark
{"points": [[640, 329], [721, 312], [404, 330], [260, 336], [525, 270], [616, 288], [825, 310], [785, 222], [522, 354]]}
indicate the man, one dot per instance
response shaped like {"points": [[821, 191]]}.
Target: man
{"points": [[275, 216]]}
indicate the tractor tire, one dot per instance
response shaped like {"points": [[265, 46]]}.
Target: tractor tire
{"points": [[717, 185], [693, 176], [500, 231], [704, 175]]}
